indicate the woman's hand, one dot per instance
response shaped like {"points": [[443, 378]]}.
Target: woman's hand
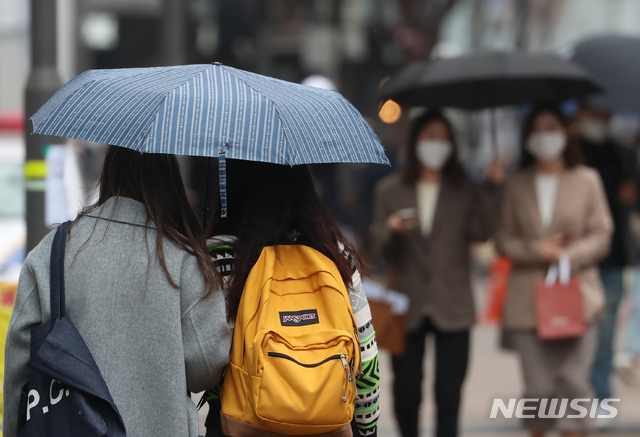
{"points": [[396, 224], [552, 249], [628, 193], [404, 220], [495, 172]]}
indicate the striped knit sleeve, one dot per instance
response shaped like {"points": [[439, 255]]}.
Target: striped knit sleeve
{"points": [[367, 407]]}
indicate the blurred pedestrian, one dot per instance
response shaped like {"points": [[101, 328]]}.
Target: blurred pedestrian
{"points": [[628, 361], [426, 217], [616, 165], [272, 205], [628, 367], [141, 290], [553, 206]]}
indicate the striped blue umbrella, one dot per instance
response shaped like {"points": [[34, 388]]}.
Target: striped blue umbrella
{"points": [[210, 110]]}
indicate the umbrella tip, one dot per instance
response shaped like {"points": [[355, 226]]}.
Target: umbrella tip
{"points": [[216, 63]]}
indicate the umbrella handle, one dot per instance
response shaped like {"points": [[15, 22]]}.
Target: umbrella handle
{"points": [[222, 178]]}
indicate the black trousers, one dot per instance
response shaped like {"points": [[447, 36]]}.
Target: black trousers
{"points": [[452, 356]]}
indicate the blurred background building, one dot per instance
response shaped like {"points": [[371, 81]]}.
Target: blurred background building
{"points": [[356, 44]]}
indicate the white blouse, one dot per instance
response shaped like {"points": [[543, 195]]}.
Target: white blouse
{"points": [[427, 200], [546, 191]]}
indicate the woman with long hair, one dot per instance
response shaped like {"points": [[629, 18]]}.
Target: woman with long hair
{"points": [[554, 207], [270, 205], [141, 290], [426, 217]]}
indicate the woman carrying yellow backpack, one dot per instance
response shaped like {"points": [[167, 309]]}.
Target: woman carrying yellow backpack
{"points": [[304, 360]]}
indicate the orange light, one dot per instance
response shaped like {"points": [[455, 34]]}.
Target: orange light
{"points": [[390, 112]]}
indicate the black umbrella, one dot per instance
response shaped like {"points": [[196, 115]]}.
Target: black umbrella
{"points": [[489, 79], [615, 63]]}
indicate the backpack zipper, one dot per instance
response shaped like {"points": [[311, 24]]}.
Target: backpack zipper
{"points": [[357, 345], [279, 355], [349, 378], [341, 357]]}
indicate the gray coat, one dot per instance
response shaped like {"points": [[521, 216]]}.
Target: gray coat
{"points": [[152, 342]]}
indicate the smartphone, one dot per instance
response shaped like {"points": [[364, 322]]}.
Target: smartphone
{"points": [[409, 217]]}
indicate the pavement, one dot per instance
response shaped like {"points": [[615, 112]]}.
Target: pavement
{"points": [[494, 373]]}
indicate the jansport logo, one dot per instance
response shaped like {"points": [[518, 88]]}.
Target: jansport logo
{"points": [[554, 408], [299, 318]]}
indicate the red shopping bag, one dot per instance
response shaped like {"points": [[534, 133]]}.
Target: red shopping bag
{"points": [[559, 309]]}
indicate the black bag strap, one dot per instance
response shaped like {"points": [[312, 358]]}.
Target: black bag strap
{"points": [[57, 271]]}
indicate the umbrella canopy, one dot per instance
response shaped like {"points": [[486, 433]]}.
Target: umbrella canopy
{"points": [[209, 110], [489, 79], [615, 62]]}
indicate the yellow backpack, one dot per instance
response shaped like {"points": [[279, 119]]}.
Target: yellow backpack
{"points": [[295, 349]]}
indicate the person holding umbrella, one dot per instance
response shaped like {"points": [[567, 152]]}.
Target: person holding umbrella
{"points": [[212, 110], [142, 291], [426, 216], [554, 207]]}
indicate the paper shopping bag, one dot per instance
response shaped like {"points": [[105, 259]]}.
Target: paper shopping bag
{"points": [[559, 308]]}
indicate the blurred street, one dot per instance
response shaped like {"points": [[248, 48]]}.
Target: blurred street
{"points": [[494, 373]]}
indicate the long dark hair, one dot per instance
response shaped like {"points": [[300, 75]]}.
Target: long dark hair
{"points": [[272, 205], [572, 154], [452, 170], [155, 181]]}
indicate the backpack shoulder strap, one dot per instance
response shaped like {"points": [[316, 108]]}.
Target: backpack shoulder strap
{"points": [[56, 278]]}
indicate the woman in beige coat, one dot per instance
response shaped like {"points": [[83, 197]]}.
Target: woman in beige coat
{"points": [[553, 206]]}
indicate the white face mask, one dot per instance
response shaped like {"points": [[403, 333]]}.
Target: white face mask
{"points": [[433, 154], [594, 130], [546, 145]]}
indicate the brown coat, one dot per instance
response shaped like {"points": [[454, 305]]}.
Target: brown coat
{"points": [[434, 271], [581, 212]]}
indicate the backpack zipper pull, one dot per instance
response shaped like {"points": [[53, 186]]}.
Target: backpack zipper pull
{"points": [[359, 373], [348, 375], [346, 366], [353, 372]]}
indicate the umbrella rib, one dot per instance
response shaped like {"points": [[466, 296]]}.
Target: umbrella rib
{"points": [[144, 134], [286, 134], [139, 144]]}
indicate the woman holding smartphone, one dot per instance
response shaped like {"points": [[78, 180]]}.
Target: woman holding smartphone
{"points": [[553, 208], [426, 217]]}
